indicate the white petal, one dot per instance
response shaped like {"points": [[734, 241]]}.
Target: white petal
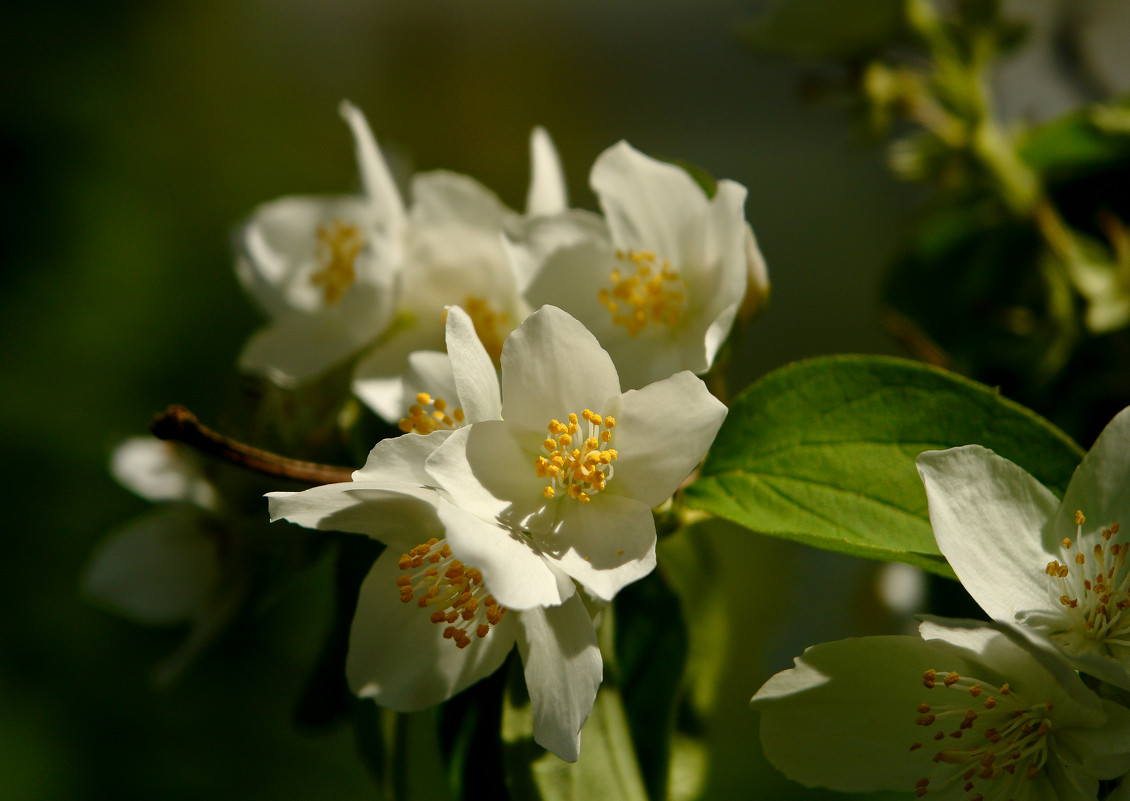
{"points": [[401, 516], [863, 695], [551, 366], [278, 250], [161, 471], [662, 431], [514, 570], [993, 523], [378, 377], [860, 695], [647, 202], [547, 194], [399, 658], [604, 544], [564, 261], [375, 176], [441, 197], [475, 377], [159, 570], [728, 259], [428, 371], [563, 673], [1018, 651], [401, 459], [486, 471], [1099, 486], [1105, 752], [296, 349]]}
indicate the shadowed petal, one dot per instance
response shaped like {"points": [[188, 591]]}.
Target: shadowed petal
{"points": [[563, 672], [399, 658]]}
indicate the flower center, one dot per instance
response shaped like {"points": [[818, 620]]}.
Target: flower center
{"points": [[644, 290], [578, 460], [429, 414], [1004, 738], [1093, 588], [434, 578], [338, 246], [491, 325]]}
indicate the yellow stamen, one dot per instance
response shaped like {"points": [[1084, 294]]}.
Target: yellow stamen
{"points": [[652, 293], [338, 246], [581, 471], [428, 415], [455, 592]]}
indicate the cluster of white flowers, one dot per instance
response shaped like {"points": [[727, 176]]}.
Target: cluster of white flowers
{"points": [[542, 367], [658, 279], [1033, 705]]}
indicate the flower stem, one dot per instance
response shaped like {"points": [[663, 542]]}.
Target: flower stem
{"points": [[178, 424]]}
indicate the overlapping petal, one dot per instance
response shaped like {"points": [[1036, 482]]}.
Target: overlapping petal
{"points": [[1099, 487], [994, 524], [400, 659], [866, 699], [662, 432], [563, 673], [551, 366], [1027, 559]]}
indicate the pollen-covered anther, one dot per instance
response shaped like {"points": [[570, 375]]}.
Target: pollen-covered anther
{"points": [[338, 246], [429, 414], [453, 591], [644, 289], [491, 325], [1092, 588], [1002, 736], [580, 472]]}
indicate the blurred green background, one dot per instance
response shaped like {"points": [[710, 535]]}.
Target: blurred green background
{"points": [[137, 135]]}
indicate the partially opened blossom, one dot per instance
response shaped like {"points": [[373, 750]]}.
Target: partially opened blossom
{"points": [[658, 279], [451, 594], [323, 269], [966, 711], [1057, 567], [575, 466], [454, 255]]}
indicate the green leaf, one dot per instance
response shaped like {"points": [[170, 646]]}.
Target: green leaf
{"points": [[607, 766], [1088, 140], [822, 451]]}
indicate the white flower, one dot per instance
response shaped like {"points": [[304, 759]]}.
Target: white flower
{"points": [[574, 465], [166, 567], [501, 565], [1027, 558], [454, 255], [324, 269], [968, 711], [661, 281], [436, 612], [452, 594]]}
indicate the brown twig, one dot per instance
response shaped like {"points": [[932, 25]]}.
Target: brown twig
{"points": [[180, 425]]}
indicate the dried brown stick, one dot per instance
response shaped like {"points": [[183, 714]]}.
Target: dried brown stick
{"points": [[178, 424]]}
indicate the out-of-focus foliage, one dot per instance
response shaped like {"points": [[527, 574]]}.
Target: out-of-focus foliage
{"points": [[1023, 245]]}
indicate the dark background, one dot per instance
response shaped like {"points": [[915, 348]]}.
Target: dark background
{"points": [[136, 135]]}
